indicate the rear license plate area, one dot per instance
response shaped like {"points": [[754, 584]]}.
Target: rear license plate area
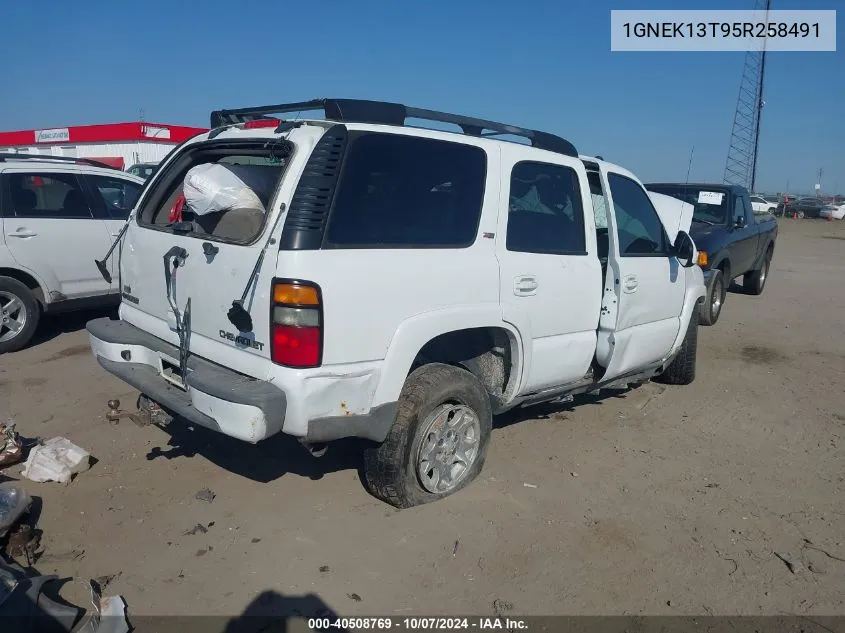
{"points": [[172, 373]]}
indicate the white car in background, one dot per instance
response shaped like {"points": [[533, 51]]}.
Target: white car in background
{"points": [[57, 215], [760, 205], [833, 211]]}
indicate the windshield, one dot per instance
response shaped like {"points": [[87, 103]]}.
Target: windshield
{"points": [[710, 205]]}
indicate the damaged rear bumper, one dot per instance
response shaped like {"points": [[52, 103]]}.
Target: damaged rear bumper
{"points": [[299, 403], [216, 397]]}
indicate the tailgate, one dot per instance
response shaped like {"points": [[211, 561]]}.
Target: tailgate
{"points": [[183, 274]]}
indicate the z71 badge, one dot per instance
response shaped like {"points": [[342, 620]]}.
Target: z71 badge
{"points": [[241, 340]]}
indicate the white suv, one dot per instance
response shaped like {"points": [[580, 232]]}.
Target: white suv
{"points": [[56, 216], [399, 284]]}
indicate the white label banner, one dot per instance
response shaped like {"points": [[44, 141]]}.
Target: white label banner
{"points": [[56, 135], [724, 30], [710, 197]]}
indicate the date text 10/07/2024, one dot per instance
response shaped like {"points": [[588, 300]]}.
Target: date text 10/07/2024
{"points": [[717, 29], [418, 624]]}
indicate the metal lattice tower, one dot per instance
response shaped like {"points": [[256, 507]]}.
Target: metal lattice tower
{"points": [[741, 166]]}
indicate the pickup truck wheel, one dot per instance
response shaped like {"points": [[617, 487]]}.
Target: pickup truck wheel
{"points": [[19, 314], [681, 371], [438, 441], [714, 300], [754, 282]]}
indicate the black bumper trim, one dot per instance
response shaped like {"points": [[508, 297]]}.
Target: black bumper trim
{"points": [[372, 426], [203, 375], [148, 381]]}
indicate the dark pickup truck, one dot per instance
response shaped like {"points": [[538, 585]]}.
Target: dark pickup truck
{"points": [[731, 239]]}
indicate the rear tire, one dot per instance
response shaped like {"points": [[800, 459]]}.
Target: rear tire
{"points": [[714, 301], [444, 417], [681, 371], [754, 282], [19, 315]]}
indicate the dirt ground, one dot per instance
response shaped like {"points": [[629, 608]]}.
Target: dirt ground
{"points": [[655, 501]]}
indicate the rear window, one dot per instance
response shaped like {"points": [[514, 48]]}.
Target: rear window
{"points": [[216, 191], [710, 204], [404, 191]]}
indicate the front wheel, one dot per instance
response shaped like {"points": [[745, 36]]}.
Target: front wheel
{"points": [[438, 441], [19, 315], [681, 371]]}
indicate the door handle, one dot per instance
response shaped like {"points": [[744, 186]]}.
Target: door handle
{"points": [[22, 232], [630, 283], [524, 285]]}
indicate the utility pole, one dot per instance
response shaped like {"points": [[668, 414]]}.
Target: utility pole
{"points": [[741, 165], [819, 183]]}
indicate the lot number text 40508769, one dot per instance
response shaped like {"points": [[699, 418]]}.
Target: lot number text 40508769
{"points": [[418, 624]]}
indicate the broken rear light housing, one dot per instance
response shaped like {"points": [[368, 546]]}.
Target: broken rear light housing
{"points": [[296, 324]]}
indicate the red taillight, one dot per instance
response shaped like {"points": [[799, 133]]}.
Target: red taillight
{"points": [[296, 346], [251, 125], [296, 333]]}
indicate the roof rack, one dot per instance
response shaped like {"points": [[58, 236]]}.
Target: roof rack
{"points": [[61, 159], [363, 111]]}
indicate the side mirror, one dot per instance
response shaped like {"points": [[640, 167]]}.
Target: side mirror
{"points": [[684, 249]]}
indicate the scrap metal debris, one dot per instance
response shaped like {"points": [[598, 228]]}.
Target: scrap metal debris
{"points": [[199, 528], [57, 459], [24, 543], [354, 596], [11, 447], [109, 614], [205, 495]]}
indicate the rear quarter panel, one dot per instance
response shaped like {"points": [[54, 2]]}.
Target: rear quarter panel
{"points": [[369, 293]]}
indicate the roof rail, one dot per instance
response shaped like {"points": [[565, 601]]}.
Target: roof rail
{"points": [[61, 159], [363, 111]]}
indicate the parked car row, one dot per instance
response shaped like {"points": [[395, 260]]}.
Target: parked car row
{"points": [[801, 208], [394, 283]]}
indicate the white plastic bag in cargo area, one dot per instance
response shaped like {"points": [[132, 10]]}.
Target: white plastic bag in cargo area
{"points": [[216, 187], [58, 459]]}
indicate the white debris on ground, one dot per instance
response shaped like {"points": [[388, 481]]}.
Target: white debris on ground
{"points": [[57, 459]]}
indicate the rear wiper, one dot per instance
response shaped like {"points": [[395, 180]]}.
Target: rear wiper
{"points": [[237, 314]]}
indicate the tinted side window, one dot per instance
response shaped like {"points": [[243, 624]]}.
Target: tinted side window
{"points": [[119, 196], [50, 195], [545, 214], [638, 225], [407, 191]]}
